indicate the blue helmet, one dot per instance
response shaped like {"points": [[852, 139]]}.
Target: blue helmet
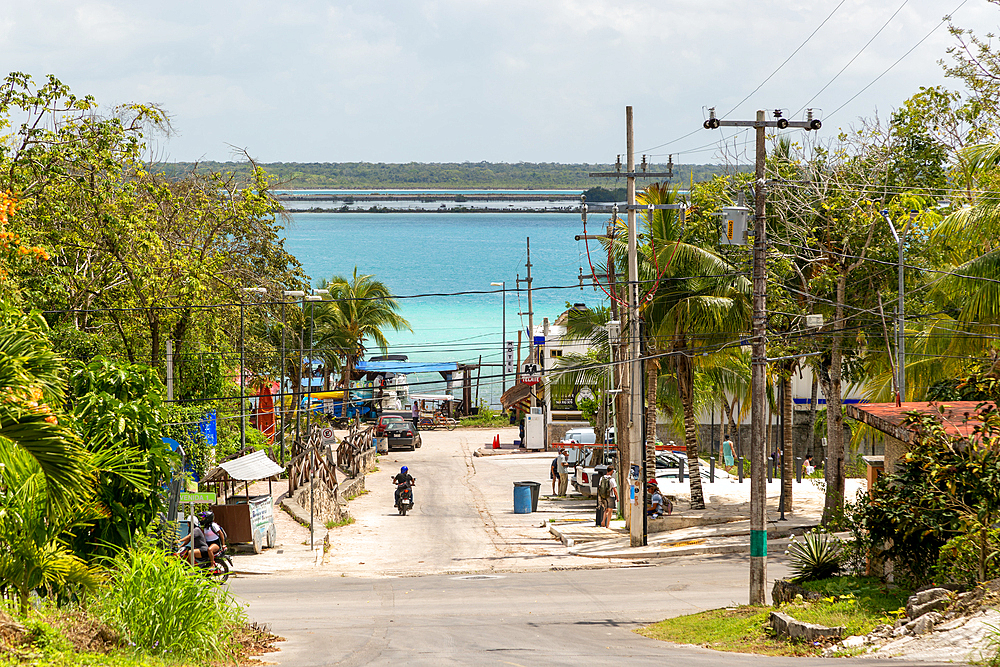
{"points": [[403, 470]]}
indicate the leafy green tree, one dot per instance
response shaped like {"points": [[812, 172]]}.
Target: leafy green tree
{"points": [[32, 385], [698, 305], [118, 411]]}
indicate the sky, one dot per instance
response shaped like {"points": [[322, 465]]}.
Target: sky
{"points": [[482, 80]]}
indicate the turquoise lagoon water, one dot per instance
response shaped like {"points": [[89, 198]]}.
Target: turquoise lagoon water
{"points": [[443, 253]]}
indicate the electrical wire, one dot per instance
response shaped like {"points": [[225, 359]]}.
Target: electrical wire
{"points": [[856, 56], [890, 67]]}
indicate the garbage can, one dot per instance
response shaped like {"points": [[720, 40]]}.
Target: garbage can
{"points": [[534, 486], [522, 498], [381, 445]]}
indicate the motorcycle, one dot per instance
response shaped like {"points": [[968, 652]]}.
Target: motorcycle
{"points": [[223, 563], [405, 499]]}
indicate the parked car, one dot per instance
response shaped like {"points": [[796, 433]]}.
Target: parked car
{"points": [[401, 434], [586, 475], [384, 421]]}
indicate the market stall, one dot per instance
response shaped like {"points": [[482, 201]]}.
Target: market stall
{"points": [[246, 519]]}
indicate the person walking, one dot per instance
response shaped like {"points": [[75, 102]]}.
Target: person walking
{"points": [[554, 473], [607, 494], [415, 415], [726, 451], [562, 467]]}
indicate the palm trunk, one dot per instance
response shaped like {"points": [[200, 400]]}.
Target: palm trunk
{"points": [[788, 452], [685, 384], [652, 373]]}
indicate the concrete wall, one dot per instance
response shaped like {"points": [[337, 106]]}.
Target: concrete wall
{"points": [[556, 430]]}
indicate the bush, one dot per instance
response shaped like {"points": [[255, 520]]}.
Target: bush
{"points": [[818, 556], [160, 605], [958, 559]]}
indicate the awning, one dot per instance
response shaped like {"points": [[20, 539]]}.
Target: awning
{"points": [[405, 367], [516, 395], [434, 397], [245, 469]]}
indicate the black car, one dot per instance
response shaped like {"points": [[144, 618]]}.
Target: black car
{"points": [[401, 434]]}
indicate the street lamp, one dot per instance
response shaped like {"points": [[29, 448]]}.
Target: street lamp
{"points": [[243, 381], [503, 342], [281, 391], [312, 451], [900, 320]]}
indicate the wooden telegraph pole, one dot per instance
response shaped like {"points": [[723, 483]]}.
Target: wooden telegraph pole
{"points": [[758, 353], [633, 386]]}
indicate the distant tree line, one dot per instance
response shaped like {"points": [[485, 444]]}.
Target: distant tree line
{"points": [[453, 175]]}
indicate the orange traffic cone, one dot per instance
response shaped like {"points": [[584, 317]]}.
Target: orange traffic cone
{"points": [[496, 441]]}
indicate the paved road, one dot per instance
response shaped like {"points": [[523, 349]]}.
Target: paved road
{"points": [[463, 519], [391, 589], [572, 618]]}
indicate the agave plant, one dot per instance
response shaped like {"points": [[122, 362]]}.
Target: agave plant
{"points": [[819, 555]]}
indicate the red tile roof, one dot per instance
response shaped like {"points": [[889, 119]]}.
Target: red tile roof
{"points": [[959, 416]]}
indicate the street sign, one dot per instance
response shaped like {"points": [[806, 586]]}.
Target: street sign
{"points": [[509, 365], [327, 436], [204, 497]]}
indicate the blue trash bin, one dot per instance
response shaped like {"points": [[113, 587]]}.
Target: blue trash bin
{"points": [[522, 498]]}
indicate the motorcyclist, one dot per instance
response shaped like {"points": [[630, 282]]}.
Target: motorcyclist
{"points": [[201, 550], [403, 478], [214, 533]]}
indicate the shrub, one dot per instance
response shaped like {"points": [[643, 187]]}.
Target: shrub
{"points": [[158, 603], [818, 556], [959, 559]]}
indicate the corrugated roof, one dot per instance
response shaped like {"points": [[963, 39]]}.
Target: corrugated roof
{"points": [[246, 468], [406, 366]]}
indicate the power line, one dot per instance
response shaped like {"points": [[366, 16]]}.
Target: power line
{"points": [[856, 56], [887, 70]]}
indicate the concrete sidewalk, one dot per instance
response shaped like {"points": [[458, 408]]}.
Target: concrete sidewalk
{"points": [[723, 527]]}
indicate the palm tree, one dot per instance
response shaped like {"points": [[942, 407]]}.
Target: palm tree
{"points": [[32, 383], [34, 546], [356, 311], [700, 305]]}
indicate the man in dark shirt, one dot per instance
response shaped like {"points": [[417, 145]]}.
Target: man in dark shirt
{"points": [[404, 477], [201, 550]]}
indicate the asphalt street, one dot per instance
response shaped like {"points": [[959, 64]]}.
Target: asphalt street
{"points": [[569, 617], [465, 581]]}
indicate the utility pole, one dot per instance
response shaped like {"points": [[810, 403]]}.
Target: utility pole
{"points": [[632, 379], [530, 314], [758, 350], [170, 369]]}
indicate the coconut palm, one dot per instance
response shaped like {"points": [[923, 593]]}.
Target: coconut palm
{"points": [[698, 305], [34, 548], [32, 385], [356, 312]]}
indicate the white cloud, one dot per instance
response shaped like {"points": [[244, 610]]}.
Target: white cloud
{"points": [[436, 80]]}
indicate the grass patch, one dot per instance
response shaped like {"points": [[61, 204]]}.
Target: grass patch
{"points": [[355, 495], [858, 603], [346, 521]]}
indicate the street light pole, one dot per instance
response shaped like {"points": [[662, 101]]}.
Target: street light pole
{"points": [[243, 372], [503, 335], [312, 458], [900, 319], [285, 293]]}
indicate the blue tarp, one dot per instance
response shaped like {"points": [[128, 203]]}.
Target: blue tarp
{"points": [[406, 366]]}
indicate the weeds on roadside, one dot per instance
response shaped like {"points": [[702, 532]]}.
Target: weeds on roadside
{"points": [[161, 605], [345, 521]]}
